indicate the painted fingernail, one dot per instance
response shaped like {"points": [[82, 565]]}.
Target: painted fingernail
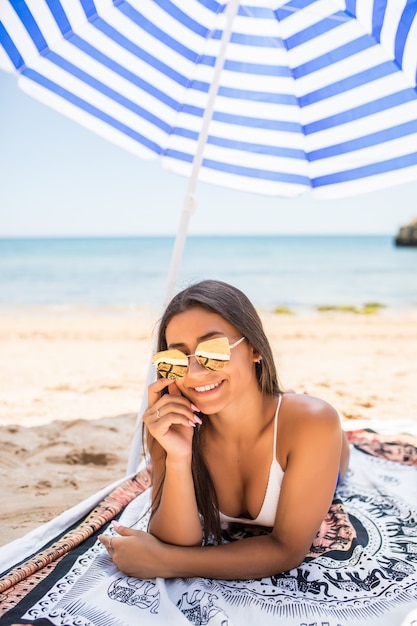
{"points": [[115, 524], [191, 423], [197, 419], [195, 408]]}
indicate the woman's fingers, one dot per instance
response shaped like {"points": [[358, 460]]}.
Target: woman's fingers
{"points": [[155, 389], [173, 406], [174, 391], [135, 552], [156, 400], [167, 413], [110, 541], [107, 543]]}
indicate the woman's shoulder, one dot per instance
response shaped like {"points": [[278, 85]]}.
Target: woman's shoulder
{"points": [[302, 408], [305, 423]]}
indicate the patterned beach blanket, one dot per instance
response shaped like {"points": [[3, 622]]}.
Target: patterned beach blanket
{"points": [[361, 568]]}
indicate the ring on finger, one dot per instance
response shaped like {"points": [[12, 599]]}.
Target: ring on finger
{"points": [[111, 543], [158, 415]]}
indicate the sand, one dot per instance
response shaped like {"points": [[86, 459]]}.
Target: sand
{"points": [[72, 381]]}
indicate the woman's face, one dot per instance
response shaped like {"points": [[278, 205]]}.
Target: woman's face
{"points": [[211, 391]]}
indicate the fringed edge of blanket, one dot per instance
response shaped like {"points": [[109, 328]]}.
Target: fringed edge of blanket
{"points": [[40, 565]]}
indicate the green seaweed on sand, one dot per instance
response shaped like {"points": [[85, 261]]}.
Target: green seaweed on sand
{"points": [[369, 308], [283, 310]]}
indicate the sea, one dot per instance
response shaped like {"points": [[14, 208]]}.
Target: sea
{"points": [[299, 273]]}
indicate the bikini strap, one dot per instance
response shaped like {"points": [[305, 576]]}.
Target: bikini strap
{"points": [[274, 455]]}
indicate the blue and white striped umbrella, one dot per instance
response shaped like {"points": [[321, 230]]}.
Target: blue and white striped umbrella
{"points": [[274, 97]]}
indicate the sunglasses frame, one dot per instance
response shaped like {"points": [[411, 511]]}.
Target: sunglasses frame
{"points": [[171, 375]]}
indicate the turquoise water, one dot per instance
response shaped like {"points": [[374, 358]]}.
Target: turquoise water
{"points": [[295, 271]]}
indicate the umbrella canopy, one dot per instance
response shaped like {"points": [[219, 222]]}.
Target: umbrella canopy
{"points": [[274, 97]]}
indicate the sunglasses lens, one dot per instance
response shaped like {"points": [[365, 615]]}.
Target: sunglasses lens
{"points": [[171, 364], [213, 354]]}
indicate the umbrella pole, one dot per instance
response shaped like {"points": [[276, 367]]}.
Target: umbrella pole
{"points": [[188, 209], [190, 202], [189, 206], [179, 245]]}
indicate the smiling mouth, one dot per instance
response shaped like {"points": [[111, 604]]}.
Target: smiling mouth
{"points": [[207, 387]]}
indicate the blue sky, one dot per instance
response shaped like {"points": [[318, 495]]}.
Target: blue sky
{"points": [[59, 179]]}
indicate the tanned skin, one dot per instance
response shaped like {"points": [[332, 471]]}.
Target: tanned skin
{"points": [[311, 449]]}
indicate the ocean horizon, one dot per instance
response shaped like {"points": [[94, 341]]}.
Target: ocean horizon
{"points": [[299, 272]]}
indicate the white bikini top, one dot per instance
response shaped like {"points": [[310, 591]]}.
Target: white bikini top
{"points": [[266, 516]]}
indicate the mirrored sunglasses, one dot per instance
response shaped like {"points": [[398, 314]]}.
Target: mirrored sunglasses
{"points": [[212, 354]]}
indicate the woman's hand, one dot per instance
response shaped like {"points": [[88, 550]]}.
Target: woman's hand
{"points": [[170, 421], [137, 553], [170, 418]]}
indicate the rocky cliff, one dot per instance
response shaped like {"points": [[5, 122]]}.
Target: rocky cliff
{"points": [[407, 235]]}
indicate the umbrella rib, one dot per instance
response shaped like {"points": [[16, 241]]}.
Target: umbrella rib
{"points": [[189, 201]]}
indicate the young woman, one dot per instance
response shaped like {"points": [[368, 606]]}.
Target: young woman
{"points": [[227, 445]]}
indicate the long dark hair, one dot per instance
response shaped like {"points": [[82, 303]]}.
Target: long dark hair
{"points": [[236, 308]]}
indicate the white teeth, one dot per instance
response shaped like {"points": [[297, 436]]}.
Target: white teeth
{"points": [[207, 387]]}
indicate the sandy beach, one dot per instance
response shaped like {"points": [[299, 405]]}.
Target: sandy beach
{"points": [[72, 381]]}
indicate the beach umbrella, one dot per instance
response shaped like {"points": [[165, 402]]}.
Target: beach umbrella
{"points": [[275, 97]]}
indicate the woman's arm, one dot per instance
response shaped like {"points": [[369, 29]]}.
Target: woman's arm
{"points": [[141, 555], [313, 443], [175, 517], [313, 439]]}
